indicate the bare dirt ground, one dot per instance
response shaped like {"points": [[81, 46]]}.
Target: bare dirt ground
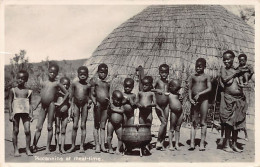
{"points": [[212, 153]]}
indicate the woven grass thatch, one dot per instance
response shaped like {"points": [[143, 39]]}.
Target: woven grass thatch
{"points": [[176, 35]]}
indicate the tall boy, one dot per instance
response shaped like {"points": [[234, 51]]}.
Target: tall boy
{"points": [[199, 87]]}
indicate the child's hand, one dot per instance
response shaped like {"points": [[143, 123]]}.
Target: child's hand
{"points": [[31, 117], [57, 104], [11, 118], [192, 102], [197, 97]]}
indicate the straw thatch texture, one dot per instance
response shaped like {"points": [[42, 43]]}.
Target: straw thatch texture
{"points": [[176, 35]]}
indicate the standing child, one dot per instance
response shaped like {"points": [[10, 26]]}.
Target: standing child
{"points": [[161, 89], [62, 116], [129, 102], [176, 114], [199, 87], [145, 101], [100, 95], [80, 95], [115, 120], [49, 91], [20, 108]]}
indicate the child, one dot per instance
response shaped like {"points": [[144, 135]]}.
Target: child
{"points": [[176, 114], [80, 95], [62, 116], [20, 108], [243, 79], [199, 87], [115, 120], [129, 102], [48, 97], [100, 96], [145, 101], [161, 89]]}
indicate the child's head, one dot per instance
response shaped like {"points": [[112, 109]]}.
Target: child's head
{"points": [[82, 73], [53, 70], [200, 65], [117, 98], [164, 71], [102, 71], [147, 82], [228, 58], [242, 58], [174, 86], [128, 85], [22, 77], [65, 82]]}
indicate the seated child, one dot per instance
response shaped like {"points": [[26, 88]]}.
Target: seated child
{"points": [[62, 116], [48, 97], [129, 101], [20, 108], [145, 101], [115, 120], [243, 79], [176, 114], [80, 95], [199, 87], [100, 96]]}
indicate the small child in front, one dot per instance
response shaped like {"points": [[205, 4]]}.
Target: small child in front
{"points": [[115, 120], [81, 101], [176, 114], [100, 96], [145, 101], [20, 108], [129, 101], [49, 92], [243, 79], [161, 91], [199, 87], [62, 116]]}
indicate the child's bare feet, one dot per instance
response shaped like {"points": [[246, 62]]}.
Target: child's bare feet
{"points": [[158, 145], [228, 149], [29, 153], [16, 153], [72, 149], [57, 151], [103, 149], [118, 152], [63, 151], [202, 148], [237, 149], [221, 142], [81, 150], [192, 147], [171, 148], [97, 150], [111, 151], [177, 147], [34, 149], [47, 151]]}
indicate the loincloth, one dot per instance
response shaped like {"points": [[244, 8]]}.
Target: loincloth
{"points": [[233, 110]]}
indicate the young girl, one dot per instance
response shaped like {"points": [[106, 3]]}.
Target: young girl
{"points": [[20, 108]]}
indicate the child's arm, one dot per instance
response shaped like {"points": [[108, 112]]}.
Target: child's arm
{"points": [[11, 97], [190, 91], [92, 92], [132, 101], [116, 109], [30, 107], [159, 91], [204, 91], [65, 96], [157, 106], [137, 101], [226, 78]]}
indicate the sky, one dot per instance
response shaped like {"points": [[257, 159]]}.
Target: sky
{"points": [[61, 32]]}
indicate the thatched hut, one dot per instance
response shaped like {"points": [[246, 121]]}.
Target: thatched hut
{"points": [[176, 35]]}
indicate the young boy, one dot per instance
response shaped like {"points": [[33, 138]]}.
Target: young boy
{"points": [[115, 120], [129, 102], [145, 101], [161, 89], [62, 116], [176, 114], [80, 97], [49, 91], [243, 79], [100, 96], [199, 87], [20, 108], [233, 104]]}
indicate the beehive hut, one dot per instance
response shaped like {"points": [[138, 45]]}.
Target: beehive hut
{"points": [[176, 35]]}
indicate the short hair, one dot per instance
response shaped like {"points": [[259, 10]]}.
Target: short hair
{"points": [[102, 65], [164, 66], [83, 68], [129, 80], [229, 52], [55, 65], [118, 94], [26, 74], [202, 60], [62, 79], [149, 78], [242, 55]]}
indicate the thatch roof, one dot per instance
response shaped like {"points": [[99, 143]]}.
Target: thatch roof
{"points": [[176, 35]]}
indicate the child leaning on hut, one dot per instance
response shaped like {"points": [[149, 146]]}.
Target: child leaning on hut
{"points": [[233, 104]]}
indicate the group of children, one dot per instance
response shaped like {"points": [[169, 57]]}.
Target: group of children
{"points": [[63, 106]]}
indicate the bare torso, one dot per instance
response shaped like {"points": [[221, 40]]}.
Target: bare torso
{"points": [[48, 92], [128, 108], [101, 90], [145, 98], [161, 99], [81, 92], [174, 103], [116, 118], [199, 83]]}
